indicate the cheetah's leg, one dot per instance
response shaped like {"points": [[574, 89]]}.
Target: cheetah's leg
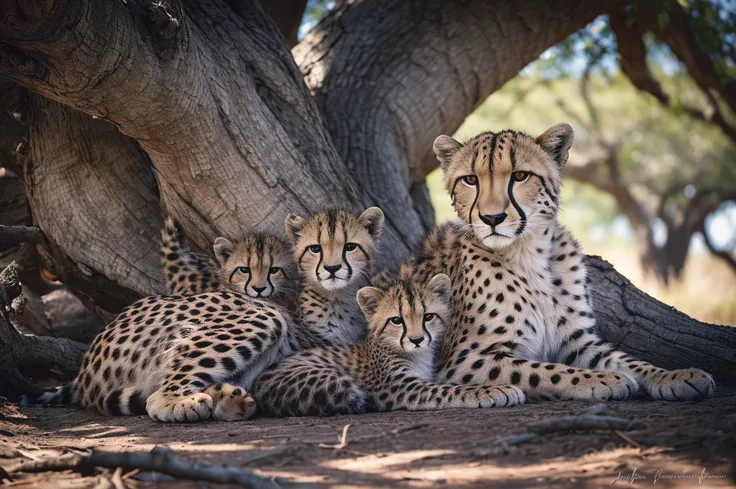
{"points": [[308, 385], [585, 349], [581, 347], [545, 381], [412, 394], [198, 362], [231, 402]]}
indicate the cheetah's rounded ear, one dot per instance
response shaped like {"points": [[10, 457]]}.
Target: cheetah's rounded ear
{"points": [[294, 225], [372, 219], [441, 285], [368, 299], [556, 142], [223, 249], [445, 148]]}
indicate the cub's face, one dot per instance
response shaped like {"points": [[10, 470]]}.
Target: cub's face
{"points": [[505, 185], [408, 316], [334, 249], [260, 266]]}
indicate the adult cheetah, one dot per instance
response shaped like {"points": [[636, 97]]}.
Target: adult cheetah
{"points": [[522, 313]]}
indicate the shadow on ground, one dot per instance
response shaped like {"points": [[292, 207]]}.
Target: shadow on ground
{"points": [[453, 448]]}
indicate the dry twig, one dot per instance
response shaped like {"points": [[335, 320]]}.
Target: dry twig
{"points": [[343, 440], [160, 460], [584, 422]]}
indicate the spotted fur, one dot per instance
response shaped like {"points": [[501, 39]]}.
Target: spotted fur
{"points": [[334, 251], [391, 369], [522, 313], [260, 266], [179, 358]]}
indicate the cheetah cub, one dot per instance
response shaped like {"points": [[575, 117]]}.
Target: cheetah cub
{"points": [[178, 358], [334, 251], [391, 369], [522, 313], [259, 266]]}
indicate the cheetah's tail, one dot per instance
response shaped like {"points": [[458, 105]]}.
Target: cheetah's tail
{"points": [[63, 395], [171, 239], [331, 394]]}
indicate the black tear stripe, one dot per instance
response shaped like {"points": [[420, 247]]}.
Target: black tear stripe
{"points": [[403, 323], [345, 252], [546, 189], [522, 215], [424, 325], [475, 201], [321, 253]]}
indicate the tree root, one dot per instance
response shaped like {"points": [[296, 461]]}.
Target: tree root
{"points": [[18, 350], [160, 460]]}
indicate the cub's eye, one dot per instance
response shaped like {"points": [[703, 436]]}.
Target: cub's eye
{"points": [[315, 249], [520, 176], [244, 269], [274, 270], [351, 246], [396, 320], [470, 180], [429, 317]]}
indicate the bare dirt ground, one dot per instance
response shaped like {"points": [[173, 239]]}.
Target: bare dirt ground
{"points": [[453, 448]]}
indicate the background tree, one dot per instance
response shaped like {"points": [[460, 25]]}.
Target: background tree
{"points": [[199, 110]]}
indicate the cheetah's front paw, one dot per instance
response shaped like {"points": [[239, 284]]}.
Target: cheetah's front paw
{"points": [[688, 384], [232, 403], [501, 396], [177, 409]]}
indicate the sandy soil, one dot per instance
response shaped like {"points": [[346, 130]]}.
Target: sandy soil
{"points": [[453, 448]]}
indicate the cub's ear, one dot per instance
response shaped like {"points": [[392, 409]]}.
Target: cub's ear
{"points": [[223, 249], [441, 285], [445, 148], [372, 219], [294, 225], [556, 142], [368, 299]]}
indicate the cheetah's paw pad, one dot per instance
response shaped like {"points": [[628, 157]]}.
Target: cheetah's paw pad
{"points": [[174, 409], [232, 403]]}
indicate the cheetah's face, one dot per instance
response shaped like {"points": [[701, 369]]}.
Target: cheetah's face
{"points": [[409, 316], [260, 266], [505, 185], [334, 248]]}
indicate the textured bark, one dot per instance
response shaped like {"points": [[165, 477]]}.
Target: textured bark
{"points": [[288, 17], [17, 350], [390, 76], [84, 175], [212, 96], [656, 332]]}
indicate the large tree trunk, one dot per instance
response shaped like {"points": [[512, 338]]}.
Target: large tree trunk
{"points": [[211, 94]]}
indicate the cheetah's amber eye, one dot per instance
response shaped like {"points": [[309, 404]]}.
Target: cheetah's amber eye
{"points": [[520, 176], [351, 246], [315, 249], [244, 269], [470, 180], [429, 317], [274, 270], [396, 320]]}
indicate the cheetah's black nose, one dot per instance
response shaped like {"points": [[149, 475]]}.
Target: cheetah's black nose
{"points": [[417, 341], [333, 268], [493, 219], [259, 289]]}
